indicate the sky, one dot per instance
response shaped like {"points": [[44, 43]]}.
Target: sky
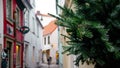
{"points": [[46, 6]]}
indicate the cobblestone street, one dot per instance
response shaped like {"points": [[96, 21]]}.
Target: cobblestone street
{"points": [[49, 66]]}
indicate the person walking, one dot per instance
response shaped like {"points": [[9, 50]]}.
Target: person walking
{"points": [[49, 61], [57, 58], [4, 57]]}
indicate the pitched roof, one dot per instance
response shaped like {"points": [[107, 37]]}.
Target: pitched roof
{"points": [[48, 29], [39, 21]]}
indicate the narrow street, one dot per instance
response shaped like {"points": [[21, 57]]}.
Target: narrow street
{"points": [[49, 66]]}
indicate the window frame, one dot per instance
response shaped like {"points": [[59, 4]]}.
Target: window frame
{"points": [[27, 18], [48, 39], [9, 18], [44, 40], [33, 25], [17, 20], [18, 54]]}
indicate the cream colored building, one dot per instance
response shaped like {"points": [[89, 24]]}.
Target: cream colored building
{"points": [[68, 61]]}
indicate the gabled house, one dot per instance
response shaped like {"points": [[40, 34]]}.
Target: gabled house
{"points": [[50, 41]]}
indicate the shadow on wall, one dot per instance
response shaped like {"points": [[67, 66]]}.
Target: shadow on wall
{"points": [[85, 65]]}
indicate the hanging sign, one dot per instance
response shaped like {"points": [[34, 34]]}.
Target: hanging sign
{"points": [[24, 29]]}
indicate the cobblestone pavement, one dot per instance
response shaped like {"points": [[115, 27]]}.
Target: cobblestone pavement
{"points": [[49, 66]]}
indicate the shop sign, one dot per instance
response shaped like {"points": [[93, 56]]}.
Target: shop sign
{"points": [[24, 29]]}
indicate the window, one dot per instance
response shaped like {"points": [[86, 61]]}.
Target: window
{"points": [[33, 21], [17, 17], [48, 39], [38, 30], [45, 40], [33, 3], [33, 56], [17, 55], [27, 18], [8, 8]]}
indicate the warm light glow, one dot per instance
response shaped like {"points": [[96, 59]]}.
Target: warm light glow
{"points": [[17, 48]]}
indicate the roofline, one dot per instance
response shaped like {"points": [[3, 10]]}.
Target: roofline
{"points": [[39, 21], [27, 4], [50, 32], [43, 15]]}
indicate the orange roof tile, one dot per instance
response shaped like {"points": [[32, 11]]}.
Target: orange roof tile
{"points": [[48, 29]]}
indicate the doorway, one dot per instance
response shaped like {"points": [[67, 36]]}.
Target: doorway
{"points": [[18, 55], [10, 53]]}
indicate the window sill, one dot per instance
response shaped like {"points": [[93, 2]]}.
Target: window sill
{"points": [[10, 20]]}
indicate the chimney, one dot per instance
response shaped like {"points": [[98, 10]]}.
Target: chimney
{"points": [[38, 12]]}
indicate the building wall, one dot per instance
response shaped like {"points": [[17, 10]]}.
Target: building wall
{"points": [[54, 43], [59, 11], [1, 27], [61, 3], [45, 47], [39, 43], [85, 65], [30, 38], [68, 60], [65, 61], [1, 22], [33, 39], [54, 38], [11, 38]]}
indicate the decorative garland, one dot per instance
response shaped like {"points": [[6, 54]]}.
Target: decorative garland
{"points": [[24, 29]]}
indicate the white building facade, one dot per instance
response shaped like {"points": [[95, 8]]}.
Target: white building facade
{"points": [[59, 11], [1, 23], [1, 27], [33, 39], [54, 43], [65, 60], [50, 39]]}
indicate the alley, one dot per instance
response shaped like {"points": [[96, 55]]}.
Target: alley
{"points": [[47, 66]]}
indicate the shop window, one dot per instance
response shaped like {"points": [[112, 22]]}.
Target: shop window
{"points": [[8, 8], [17, 55]]}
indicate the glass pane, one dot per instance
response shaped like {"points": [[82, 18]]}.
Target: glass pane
{"points": [[8, 8]]}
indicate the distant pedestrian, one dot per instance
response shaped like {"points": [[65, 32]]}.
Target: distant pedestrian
{"points": [[49, 60], [57, 58], [4, 57]]}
